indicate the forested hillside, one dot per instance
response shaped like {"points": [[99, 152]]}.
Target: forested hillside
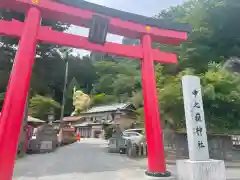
{"points": [[215, 39]]}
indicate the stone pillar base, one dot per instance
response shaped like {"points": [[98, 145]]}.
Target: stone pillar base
{"points": [[201, 170], [159, 176]]}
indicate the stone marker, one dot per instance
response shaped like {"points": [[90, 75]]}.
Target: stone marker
{"points": [[195, 121], [199, 166]]}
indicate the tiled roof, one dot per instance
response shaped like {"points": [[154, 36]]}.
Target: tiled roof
{"points": [[72, 118], [81, 124], [105, 108], [32, 119]]}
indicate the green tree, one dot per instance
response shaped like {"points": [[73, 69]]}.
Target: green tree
{"points": [[101, 99], [41, 106], [221, 99], [171, 100], [210, 44], [43, 63], [124, 84], [212, 38], [137, 99], [113, 79], [116, 78]]}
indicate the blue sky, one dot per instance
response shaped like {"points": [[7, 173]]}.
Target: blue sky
{"points": [[142, 7]]}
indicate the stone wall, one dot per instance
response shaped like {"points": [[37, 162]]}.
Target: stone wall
{"points": [[220, 147], [176, 147], [44, 134]]}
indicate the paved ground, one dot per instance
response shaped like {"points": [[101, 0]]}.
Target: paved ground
{"points": [[87, 160]]}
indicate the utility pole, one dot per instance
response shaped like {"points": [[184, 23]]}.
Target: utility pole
{"points": [[64, 93], [64, 57]]}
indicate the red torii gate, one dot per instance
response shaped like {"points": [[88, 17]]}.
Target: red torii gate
{"points": [[129, 25]]}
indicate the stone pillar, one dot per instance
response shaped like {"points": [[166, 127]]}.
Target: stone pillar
{"points": [[199, 166], [92, 133], [195, 122]]}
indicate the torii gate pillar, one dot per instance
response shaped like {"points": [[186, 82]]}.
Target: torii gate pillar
{"points": [[15, 98], [155, 145]]}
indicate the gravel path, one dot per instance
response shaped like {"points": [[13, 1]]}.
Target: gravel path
{"points": [[87, 160]]}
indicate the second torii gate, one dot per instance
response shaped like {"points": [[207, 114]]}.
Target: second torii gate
{"points": [[117, 22]]}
